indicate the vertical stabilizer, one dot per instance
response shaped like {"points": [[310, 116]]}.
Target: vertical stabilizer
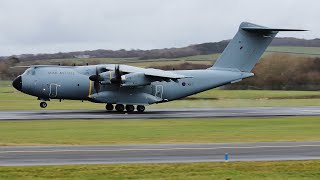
{"points": [[246, 48]]}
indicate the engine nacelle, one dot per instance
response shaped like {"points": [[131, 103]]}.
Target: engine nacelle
{"points": [[106, 77], [135, 79]]}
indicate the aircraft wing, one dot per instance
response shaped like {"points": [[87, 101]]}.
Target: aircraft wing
{"points": [[147, 71]]}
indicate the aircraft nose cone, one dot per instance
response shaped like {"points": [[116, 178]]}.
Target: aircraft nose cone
{"points": [[17, 83]]}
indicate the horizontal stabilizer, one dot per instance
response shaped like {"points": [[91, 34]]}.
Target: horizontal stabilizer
{"points": [[250, 27]]}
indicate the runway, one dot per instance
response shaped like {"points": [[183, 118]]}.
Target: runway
{"points": [[162, 113], [164, 153]]}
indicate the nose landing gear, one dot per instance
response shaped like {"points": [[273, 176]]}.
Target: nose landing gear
{"points": [[43, 105]]}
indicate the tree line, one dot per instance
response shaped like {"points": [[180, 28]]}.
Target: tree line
{"points": [[273, 72], [192, 50]]}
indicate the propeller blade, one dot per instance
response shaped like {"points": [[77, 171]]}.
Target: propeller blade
{"points": [[96, 76], [117, 69], [95, 79], [117, 75], [96, 86]]}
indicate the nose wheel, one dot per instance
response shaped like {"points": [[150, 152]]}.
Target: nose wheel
{"points": [[43, 105]]}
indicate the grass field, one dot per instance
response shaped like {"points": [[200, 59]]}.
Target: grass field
{"points": [[75, 132], [256, 94], [12, 99], [295, 170], [295, 50]]}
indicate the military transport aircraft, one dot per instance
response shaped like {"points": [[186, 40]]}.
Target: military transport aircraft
{"points": [[127, 86]]}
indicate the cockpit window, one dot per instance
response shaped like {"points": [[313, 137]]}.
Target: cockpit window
{"points": [[26, 72], [29, 71]]}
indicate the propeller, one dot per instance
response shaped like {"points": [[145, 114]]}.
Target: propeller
{"points": [[117, 75], [95, 78]]}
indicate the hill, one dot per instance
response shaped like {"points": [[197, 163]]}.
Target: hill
{"points": [[192, 50]]}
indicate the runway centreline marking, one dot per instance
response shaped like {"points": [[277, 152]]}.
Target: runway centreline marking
{"points": [[156, 149]]}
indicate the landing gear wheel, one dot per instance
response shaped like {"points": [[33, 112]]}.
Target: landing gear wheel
{"points": [[140, 108], [120, 107], [130, 108], [43, 105], [109, 107]]}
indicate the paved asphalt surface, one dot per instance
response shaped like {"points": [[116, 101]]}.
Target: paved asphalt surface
{"points": [[50, 155], [164, 153], [162, 113]]}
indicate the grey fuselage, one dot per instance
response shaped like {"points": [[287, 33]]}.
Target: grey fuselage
{"points": [[65, 82]]}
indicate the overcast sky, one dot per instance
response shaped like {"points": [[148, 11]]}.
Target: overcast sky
{"points": [[49, 26]]}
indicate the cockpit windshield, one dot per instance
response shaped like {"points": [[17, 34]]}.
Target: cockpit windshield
{"points": [[29, 71]]}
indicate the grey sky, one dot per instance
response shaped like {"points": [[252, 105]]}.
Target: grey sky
{"points": [[48, 26]]}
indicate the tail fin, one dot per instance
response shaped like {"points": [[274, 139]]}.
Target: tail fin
{"points": [[246, 48]]}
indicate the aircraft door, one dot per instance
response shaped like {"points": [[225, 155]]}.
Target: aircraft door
{"points": [[159, 91], [50, 90], [53, 90]]}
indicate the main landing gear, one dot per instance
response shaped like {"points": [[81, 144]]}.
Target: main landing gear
{"points": [[140, 108], [109, 107], [128, 108]]}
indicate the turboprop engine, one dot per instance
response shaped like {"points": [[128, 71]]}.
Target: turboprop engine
{"points": [[134, 79]]}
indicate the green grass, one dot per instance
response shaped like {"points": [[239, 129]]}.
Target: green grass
{"points": [[298, 50], [256, 94], [295, 170], [76, 132], [225, 103], [12, 99]]}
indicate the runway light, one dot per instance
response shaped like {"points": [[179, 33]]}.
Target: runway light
{"points": [[226, 157]]}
